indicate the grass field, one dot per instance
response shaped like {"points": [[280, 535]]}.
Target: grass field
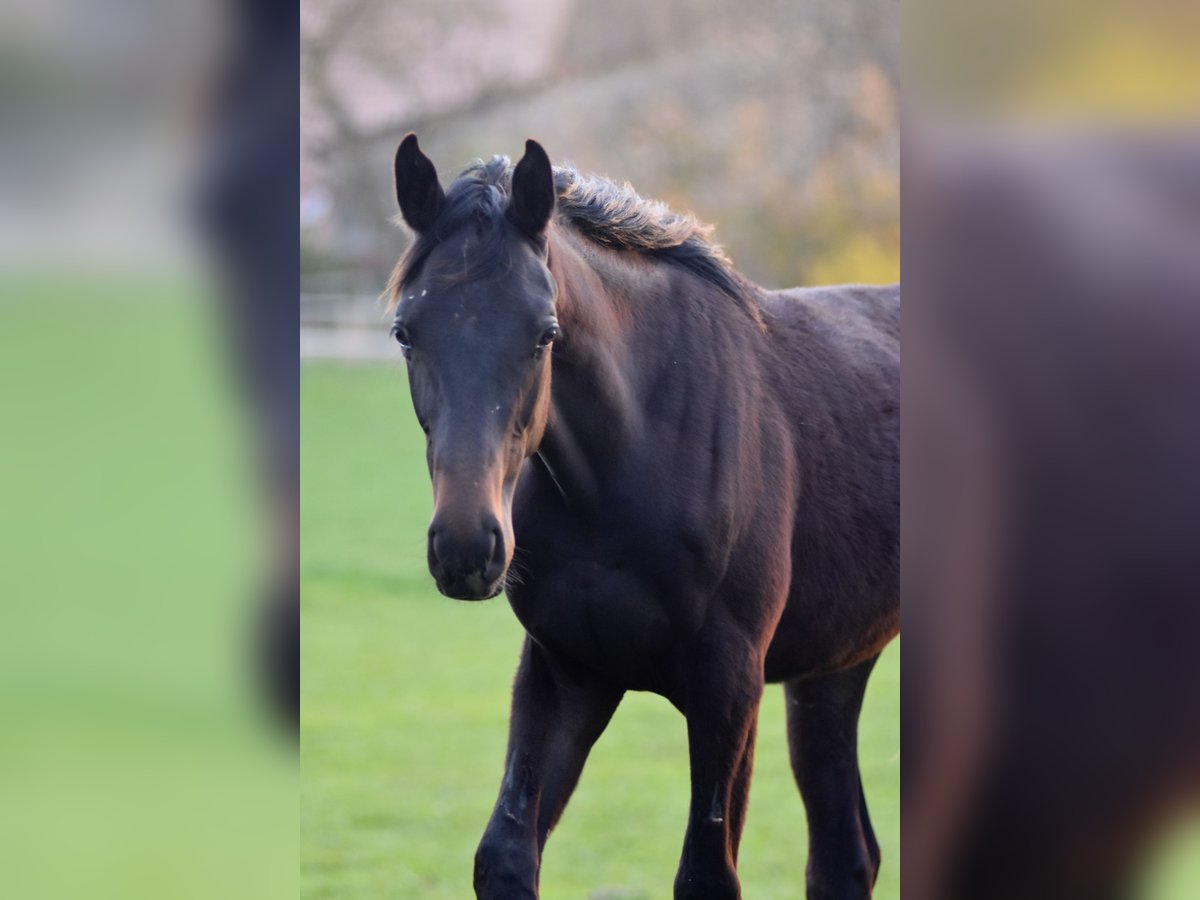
{"points": [[405, 703]]}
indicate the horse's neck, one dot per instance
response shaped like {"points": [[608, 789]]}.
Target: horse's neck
{"points": [[634, 341], [596, 399]]}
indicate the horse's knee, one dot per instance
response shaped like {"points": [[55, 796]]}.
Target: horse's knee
{"points": [[721, 884], [869, 835], [875, 858], [854, 882], [505, 870]]}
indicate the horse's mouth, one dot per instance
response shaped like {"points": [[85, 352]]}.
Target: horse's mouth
{"points": [[471, 588]]}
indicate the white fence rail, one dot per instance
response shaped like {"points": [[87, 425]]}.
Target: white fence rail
{"points": [[344, 326]]}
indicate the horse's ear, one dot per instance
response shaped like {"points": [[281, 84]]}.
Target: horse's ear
{"points": [[532, 201], [417, 187]]}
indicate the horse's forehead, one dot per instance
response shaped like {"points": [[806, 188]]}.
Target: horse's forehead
{"points": [[469, 236], [493, 304], [480, 248], [482, 257]]}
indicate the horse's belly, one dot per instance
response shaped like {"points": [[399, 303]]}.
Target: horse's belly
{"points": [[816, 637]]}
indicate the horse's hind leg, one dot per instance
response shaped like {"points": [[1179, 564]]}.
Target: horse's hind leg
{"points": [[557, 714], [822, 718]]}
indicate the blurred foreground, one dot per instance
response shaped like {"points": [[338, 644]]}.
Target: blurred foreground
{"points": [[148, 450], [1051, 397]]}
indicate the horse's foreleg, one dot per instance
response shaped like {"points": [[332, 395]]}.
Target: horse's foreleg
{"points": [[822, 715], [724, 686], [740, 796], [557, 714]]}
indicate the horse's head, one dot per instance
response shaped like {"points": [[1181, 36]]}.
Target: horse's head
{"points": [[475, 318]]}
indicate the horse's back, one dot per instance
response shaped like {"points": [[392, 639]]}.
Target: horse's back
{"points": [[835, 369], [835, 352], [858, 311]]}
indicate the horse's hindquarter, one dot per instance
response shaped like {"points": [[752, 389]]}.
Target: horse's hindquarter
{"points": [[835, 371]]}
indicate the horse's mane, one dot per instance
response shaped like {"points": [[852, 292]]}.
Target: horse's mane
{"points": [[610, 214]]}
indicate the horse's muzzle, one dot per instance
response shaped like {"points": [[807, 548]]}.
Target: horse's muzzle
{"points": [[468, 566]]}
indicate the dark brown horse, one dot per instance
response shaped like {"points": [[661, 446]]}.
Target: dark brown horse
{"points": [[686, 484]]}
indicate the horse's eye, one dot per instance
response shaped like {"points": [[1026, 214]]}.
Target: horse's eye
{"points": [[400, 333], [549, 336]]}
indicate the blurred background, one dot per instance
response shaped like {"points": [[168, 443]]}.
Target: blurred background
{"points": [[1051, 373], [774, 121]]}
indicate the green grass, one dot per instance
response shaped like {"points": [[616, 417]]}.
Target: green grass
{"points": [[405, 703]]}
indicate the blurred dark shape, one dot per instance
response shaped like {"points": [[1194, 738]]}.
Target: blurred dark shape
{"points": [[247, 195], [1051, 487], [131, 582]]}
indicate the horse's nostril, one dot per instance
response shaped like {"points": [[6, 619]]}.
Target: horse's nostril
{"points": [[495, 566], [432, 544]]}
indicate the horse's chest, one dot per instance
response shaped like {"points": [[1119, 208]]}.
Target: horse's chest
{"points": [[603, 616]]}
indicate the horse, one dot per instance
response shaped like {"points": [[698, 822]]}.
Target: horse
{"points": [[685, 484]]}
